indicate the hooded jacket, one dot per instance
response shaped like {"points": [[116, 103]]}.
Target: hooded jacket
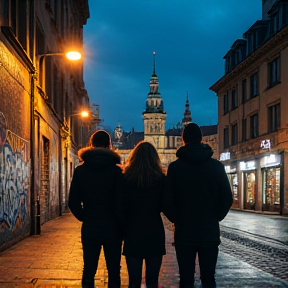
{"points": [[198, 195], [93, 193]]}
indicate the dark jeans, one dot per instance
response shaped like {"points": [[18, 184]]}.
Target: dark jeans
{"points": [[91, 253], [134, 266], [186, 256]]}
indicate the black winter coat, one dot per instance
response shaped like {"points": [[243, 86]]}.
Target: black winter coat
{"points": [[93, 194], [144, 235], [198, 195]]}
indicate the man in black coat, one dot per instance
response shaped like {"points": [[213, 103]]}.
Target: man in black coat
{"points": [[93, 200], [198, 197]]}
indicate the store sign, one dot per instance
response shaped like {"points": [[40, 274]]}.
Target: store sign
{"points": [[230, 169], [250, 165], [265, 144], [271, 160], [224, 156]]}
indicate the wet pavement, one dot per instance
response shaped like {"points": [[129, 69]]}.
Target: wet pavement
{"points": [[54, 259], [272, 227]]}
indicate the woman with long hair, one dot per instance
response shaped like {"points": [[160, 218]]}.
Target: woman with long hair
{"points": [[144, 235]]}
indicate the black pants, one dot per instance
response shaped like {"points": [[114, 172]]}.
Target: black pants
{"points": [[186, 256], [134, 266], [112, 253]]}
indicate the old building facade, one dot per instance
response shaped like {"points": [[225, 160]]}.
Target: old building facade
{"points": [[41, 97], [252, 118]]}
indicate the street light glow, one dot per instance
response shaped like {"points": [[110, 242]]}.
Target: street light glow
{"points": [[84, 114], [73, 55]]}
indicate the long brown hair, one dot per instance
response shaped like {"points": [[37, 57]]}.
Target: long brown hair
{"points": [[143, 166]]}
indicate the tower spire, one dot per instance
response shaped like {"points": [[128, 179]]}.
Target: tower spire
{"points": [[154, 60], [187, 113]]}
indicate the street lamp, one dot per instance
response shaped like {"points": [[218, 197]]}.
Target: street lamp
{"points": [[40, 58], [35, 198], [83, 114]]}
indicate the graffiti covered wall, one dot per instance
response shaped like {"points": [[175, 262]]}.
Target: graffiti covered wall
{"points": [[14, 184]]}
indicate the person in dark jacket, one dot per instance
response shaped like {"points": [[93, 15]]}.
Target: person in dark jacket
{"points": [[198, 196], [144, 236], [93, 200]]}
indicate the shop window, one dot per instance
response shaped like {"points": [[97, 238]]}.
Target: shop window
{"points": [[234, 98], [249, 190], [244, 91], [244, 129], [273, 118], [234, 138], [274, 72], [226, 103], [271, 189], [226, 137], [233, 179], [254, 130], [254, 89]]}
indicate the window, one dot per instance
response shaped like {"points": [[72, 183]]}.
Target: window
{"points": [[254, 85], [226, 103], [244, 129], [244, 91], [234, 97], [254, 132], [274, 118], [234, 139], [274, 21], [226, 137], [274, 72], [19, 21]]}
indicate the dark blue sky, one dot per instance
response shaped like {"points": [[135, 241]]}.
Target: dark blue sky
{"points": [[190, 39]]}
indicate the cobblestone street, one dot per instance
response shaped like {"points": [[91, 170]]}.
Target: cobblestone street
{"points": [[54, 259]]}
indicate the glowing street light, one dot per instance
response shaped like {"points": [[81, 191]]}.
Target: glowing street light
{"points": [[73, 55], [84, 114]]}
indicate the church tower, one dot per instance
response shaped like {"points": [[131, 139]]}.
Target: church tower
{"points": [[154, 116], [187, 114]]}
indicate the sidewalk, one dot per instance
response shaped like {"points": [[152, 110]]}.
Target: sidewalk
{"points": [[54, 259]]}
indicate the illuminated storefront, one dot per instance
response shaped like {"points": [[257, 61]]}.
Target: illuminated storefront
{"points": [[249, 181], [233, 179], [270, 167]]}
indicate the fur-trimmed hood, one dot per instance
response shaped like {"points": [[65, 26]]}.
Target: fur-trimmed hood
{"points": [[98, 158]]}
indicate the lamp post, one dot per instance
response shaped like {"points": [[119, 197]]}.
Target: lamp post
{"points": [[35, 195], [83, 114], [40, 59]]}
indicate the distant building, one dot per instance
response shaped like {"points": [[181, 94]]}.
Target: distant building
{"points": [[252, 118], [154, 117]]}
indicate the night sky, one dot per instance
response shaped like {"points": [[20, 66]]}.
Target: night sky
{"points": [[190, 39]]}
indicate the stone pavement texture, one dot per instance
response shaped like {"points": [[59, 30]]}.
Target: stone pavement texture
{"points": [[54, 260]]}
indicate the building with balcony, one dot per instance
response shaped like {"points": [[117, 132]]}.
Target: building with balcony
{"points": [[252, 122], [41, 95]]}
